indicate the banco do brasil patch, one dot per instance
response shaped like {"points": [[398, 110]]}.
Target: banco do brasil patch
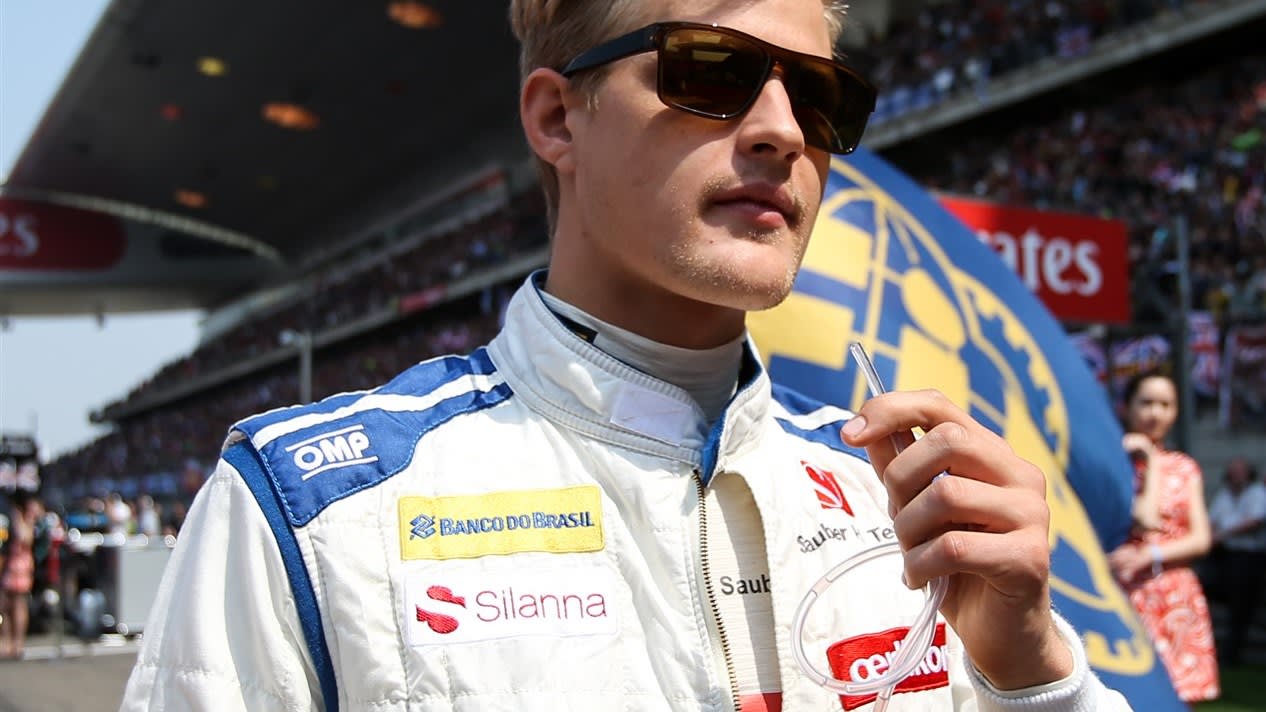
{"points": [[564, 520]]}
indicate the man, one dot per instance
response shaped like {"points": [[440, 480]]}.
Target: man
{"points": [[610, 507], [1237, 566]]}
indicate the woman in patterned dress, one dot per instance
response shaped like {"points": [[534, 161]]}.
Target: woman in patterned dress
{"points": [[18, 576], [1171, 531]]}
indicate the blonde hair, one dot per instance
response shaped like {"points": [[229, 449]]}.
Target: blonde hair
{"points": [[552, 32]]}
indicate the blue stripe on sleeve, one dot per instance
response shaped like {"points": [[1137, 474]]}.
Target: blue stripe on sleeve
{"points": [[244, 459]]}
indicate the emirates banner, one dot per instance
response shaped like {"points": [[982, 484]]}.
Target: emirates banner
{"points": [[1076, 264], [56, 259], [36, 236]]}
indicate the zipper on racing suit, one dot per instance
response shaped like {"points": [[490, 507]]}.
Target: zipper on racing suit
{"points": [[716, 629]]}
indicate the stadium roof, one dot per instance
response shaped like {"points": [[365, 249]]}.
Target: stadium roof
{"points": [[180, 110]]}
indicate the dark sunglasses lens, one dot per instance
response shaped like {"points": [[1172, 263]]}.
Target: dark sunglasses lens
{"points": [[831, 105], [709, 72]]}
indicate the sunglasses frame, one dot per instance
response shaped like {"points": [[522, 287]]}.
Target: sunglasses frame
{"points": [[652, 38]]}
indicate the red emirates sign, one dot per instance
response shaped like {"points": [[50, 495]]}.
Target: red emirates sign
{"points": [[38, 236], [1076, 264]]}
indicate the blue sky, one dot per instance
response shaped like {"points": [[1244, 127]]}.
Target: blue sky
{"points": [[54, 371]]}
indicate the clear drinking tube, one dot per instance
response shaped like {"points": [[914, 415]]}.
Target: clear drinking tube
{"points": [[915, 645]]}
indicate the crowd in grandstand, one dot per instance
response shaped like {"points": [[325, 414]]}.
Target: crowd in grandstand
{"points": [[163, 453], [332, 298], [178, 439], [962, 44], [1196, 149]]}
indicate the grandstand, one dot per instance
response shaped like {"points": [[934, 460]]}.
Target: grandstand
{"points": [[387, 210]]}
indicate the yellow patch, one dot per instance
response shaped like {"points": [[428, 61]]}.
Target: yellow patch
{"points": [[565, 520]]}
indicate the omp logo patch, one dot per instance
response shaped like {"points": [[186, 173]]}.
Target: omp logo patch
{"points": [[830, 494], [564, 520], [468, 607], [864, 657], [329, 451]]}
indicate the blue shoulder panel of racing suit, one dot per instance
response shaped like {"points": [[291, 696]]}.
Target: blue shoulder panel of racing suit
{"points": [[247, 462], [353, 443], [827, 434], [290, 496], [417, 380]]}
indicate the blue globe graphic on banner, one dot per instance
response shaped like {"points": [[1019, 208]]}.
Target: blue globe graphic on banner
{"points": [[890, 268], [924, 324]]}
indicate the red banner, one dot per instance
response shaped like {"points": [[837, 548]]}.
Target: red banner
{"points": [[38, 236], [1076, 264]]}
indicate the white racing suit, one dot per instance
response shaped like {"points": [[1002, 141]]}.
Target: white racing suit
{"points": [[523, 528]]}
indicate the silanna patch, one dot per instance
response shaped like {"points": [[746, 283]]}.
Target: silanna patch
{"points": [[564, 520], [469, 607]]}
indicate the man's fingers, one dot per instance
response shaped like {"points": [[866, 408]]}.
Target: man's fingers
{"points": [[882, 451], [893, 416], [951, 503], [1015, 564], [901, 411], [963, 452]]}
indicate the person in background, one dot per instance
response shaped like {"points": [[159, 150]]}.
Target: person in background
{"points": [[148, 519], [1237, 567], [1145, 508], [119, 514], [18, 575], [5, 531], [173, 517], [1154, 565]]}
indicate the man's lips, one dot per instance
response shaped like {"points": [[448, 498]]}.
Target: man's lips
{"points": [[760, 199]]}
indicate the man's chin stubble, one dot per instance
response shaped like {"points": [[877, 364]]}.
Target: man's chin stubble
{"points": [[732, 287]]}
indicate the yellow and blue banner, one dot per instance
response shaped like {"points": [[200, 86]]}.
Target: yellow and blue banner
{"points": [[936, 308]]}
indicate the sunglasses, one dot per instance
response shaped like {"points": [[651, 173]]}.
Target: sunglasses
{"points": [[719, 73]]}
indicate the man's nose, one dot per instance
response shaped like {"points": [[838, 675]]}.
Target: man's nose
{"points": [[770, 126]]}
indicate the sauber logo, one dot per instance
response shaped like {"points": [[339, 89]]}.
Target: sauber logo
{"points": [[340, 448], [865, 656], [439, 622], [830, 494], [473, 606]]}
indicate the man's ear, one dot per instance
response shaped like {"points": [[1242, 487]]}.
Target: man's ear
{"points": [[543, 105]]}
